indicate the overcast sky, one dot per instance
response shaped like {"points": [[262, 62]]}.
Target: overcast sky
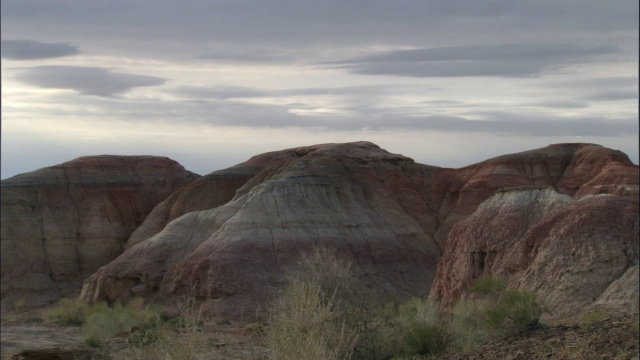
{"points": [[212, 83]]}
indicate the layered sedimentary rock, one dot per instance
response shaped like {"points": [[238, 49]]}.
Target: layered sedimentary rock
{"points": [[545, 230], [356, 198], [570, 251], [62, 223], [392, 217], [206, 192]]}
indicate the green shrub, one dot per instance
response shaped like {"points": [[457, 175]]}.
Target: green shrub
{"points": [[490, 286], [467, 325], [155, 339], [324, 313], [426, 339], [469, 322], [92, 342], [184, 323], [144, 337], [120, 319], [73, 312], [508, 310], [423, 327]]}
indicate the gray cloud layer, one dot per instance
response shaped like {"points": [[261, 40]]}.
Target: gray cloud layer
{"points": [[238, 92], [478, 60], [547, 59], [86, 80], [34, 50], [278, 26], [613, 95], [220, 112]]}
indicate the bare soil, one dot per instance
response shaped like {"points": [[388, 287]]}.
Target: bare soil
{"points": [[23, 337], [611, 338], [607, 339]]}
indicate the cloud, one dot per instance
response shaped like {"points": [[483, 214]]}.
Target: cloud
{"points": [[598, 82], [33, 50], [243, 55], [560, 104], [509, 60], [228, 113], [86, 80], [613, 95], [288, 23], [545, 125], [219, 92], [239, 92], [505, 124], [489, 52]]}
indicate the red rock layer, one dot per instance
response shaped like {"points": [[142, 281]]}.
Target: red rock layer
{"points": [[569, 251], [62, 223], [389, 215]]}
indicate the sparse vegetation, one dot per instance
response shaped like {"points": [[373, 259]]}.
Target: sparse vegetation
{"points": [[122, 319], [144, 328], [322, 314], [73, 311], [308, 319], [329, 315], [507, 311], [156, 337]]}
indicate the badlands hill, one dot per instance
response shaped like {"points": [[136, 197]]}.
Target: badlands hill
{"points": [[562, 220], [62, 223]]}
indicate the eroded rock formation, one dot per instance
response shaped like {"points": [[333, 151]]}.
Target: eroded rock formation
{"points": [[394, 219], [572, 252], [62, 223], [357, 198], [562, 220]]}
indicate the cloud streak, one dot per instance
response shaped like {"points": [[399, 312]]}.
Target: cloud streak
{"points": [[86, 80], [508, 60], [228, 113], [613, 95], [34, 50]]}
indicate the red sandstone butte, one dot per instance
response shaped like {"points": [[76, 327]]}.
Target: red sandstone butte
{"points": [[62, 223]]}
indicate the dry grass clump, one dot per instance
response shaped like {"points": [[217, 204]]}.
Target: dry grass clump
{"points": [[143, 330], [308, 324], [324, 313], [123, 319], [170, 339], [308, 319], [73, 311]]}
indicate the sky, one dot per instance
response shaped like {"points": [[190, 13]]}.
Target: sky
{"points": [[210, 83]]}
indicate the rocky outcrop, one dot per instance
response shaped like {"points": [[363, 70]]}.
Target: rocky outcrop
{"points": [[62, 223], [542, 227], [571, 169], [231, 257], [207, 192], [561, 220], [392, 217], [570, 251]]}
